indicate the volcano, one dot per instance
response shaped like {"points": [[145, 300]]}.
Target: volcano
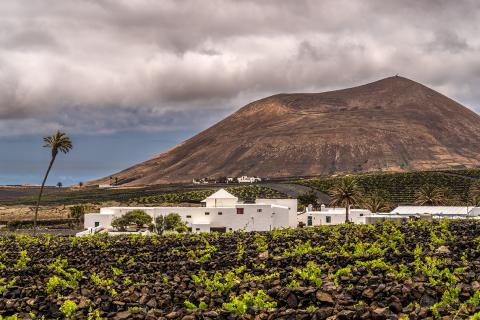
{"points": [[394, 124]]}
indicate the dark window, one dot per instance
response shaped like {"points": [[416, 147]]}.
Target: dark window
{"points": [[361, 214], [240, 210], [189, 216], [218, 229], [328, 219], [220, 213], [207, 213], [97, 223], [259, 210], [309, 221], [197, 229]]}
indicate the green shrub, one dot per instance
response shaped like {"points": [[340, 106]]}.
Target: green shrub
{"points": [[68, 308], [240, 305]]}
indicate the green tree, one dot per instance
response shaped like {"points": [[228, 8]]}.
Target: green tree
{"points": [[308, 198], [134, 217], [168, 222], [120, 223], [346, 193], [430, 195], [58, 142], [78, 212], [376, 202]]}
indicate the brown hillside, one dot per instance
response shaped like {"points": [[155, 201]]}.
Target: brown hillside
{"points": [[391, 124]]}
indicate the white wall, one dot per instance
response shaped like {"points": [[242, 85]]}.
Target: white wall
{"points": [[291, 204], [101, 219], [213, 203], [337, 216], [255, 217]]}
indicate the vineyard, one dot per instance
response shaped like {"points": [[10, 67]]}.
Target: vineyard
{"points": [[153, 194], [413, 270], [400, 187], [249, 193]]}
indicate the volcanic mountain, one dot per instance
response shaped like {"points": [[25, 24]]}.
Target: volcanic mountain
{"points": [[394, 124]]}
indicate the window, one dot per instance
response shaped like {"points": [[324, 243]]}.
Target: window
{"points": [[189, 216], [220, 213], [328, 219], [309, 221], [97, 224], [361, 214], [197, 229], [259, 210], [207, 213], [240, 210]]}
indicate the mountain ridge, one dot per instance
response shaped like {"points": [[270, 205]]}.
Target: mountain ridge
{"points": [[393, 124]]}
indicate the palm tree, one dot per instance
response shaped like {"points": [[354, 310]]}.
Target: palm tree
{"points": [[346, 193], [376, 202], [431, 195], [58, 142]]}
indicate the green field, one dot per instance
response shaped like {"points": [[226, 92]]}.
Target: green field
{"points": [[400, 187], [148, 195]]}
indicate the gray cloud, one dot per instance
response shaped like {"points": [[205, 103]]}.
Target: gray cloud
{"points": [[112, 65]]}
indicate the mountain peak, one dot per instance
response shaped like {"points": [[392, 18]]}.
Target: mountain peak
{"points": [[393, 124]]}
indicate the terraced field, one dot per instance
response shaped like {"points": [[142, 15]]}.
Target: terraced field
{"points": [[400, 187], [414, 270], [152, 194]]}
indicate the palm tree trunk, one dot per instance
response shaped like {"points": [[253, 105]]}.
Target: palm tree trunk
{"points": [[347, 210], [40, 195]]}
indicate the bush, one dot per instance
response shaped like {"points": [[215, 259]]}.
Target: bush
{"points": [[181, 229], [172, 221], [135, 217], [68, 308], [78, 212]]}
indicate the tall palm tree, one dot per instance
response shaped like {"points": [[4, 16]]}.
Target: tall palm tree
{"points": [[346, 193], [376, 202], [58, 142], [430, 195]]}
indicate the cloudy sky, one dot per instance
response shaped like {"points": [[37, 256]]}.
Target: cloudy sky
{"points": [[129, 78]]}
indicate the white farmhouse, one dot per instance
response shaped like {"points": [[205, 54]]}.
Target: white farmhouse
{"points": [[222, 212], [332, 216], [246, 179]]}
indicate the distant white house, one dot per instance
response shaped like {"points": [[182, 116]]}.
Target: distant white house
{"points": [[222, 212], [247, 179]]}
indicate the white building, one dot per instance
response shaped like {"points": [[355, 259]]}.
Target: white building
{"points": [[222, 212], [332, 216], [437, 211], [246, 179]]}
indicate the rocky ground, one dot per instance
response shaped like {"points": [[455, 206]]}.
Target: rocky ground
{"points": [[415, 270]]}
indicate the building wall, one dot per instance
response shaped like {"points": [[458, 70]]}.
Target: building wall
{"points": [[212, 203], [255, 217], [291, 204], [336, 216]]}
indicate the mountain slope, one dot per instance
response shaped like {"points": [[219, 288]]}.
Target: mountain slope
{"points": [[392, 124]]}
